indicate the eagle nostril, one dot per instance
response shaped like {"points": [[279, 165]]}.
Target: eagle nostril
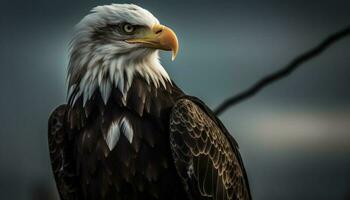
{"points": [[159, 31]]}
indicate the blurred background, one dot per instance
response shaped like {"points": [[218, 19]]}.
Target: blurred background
{"points": [[294, 136]]}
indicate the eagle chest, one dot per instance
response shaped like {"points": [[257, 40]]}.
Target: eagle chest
{"points": [[126, 155]]}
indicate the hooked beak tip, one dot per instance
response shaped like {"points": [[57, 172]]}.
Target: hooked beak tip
{"points": [[174, 54]]}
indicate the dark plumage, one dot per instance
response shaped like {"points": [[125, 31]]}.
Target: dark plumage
{"points": [[172, 133]]}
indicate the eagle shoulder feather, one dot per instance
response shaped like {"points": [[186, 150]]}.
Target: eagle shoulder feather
{"points": [[62, 154], [206, 156]]}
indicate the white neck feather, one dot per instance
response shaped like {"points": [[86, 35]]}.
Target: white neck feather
{"points": [[104, 74]]}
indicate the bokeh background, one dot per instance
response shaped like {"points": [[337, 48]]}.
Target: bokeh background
{"points": [[294, 136]]}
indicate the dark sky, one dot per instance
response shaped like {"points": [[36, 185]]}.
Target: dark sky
{"points": [[294, 136]]}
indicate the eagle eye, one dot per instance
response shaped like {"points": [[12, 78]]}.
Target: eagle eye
{"points": [[128, 28]]}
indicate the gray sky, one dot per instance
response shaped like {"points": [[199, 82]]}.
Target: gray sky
{"points": [[294, 136]]}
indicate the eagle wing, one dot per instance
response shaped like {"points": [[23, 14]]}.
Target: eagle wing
{"points": [[206, 156], [62, 154]]}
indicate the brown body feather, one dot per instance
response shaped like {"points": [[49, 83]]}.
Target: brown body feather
{"points": [[155, 164]]}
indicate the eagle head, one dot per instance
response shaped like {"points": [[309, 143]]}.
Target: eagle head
{"points": [[111, 45]]}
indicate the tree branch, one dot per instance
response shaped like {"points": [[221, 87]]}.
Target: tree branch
{"points": [[284, 72]]}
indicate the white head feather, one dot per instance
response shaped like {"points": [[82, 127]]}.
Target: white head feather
{"points": [[107, 61]]}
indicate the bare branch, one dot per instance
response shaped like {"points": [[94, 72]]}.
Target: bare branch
{"points": [[287, 70]]}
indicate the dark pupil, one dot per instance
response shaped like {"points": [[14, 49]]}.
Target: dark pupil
{"points": [[128, 28]]}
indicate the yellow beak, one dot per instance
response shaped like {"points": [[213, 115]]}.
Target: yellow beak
{"points": [[160, 37]]}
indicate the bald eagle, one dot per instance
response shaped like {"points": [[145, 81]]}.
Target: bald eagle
{"points": [[127, 131]]}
